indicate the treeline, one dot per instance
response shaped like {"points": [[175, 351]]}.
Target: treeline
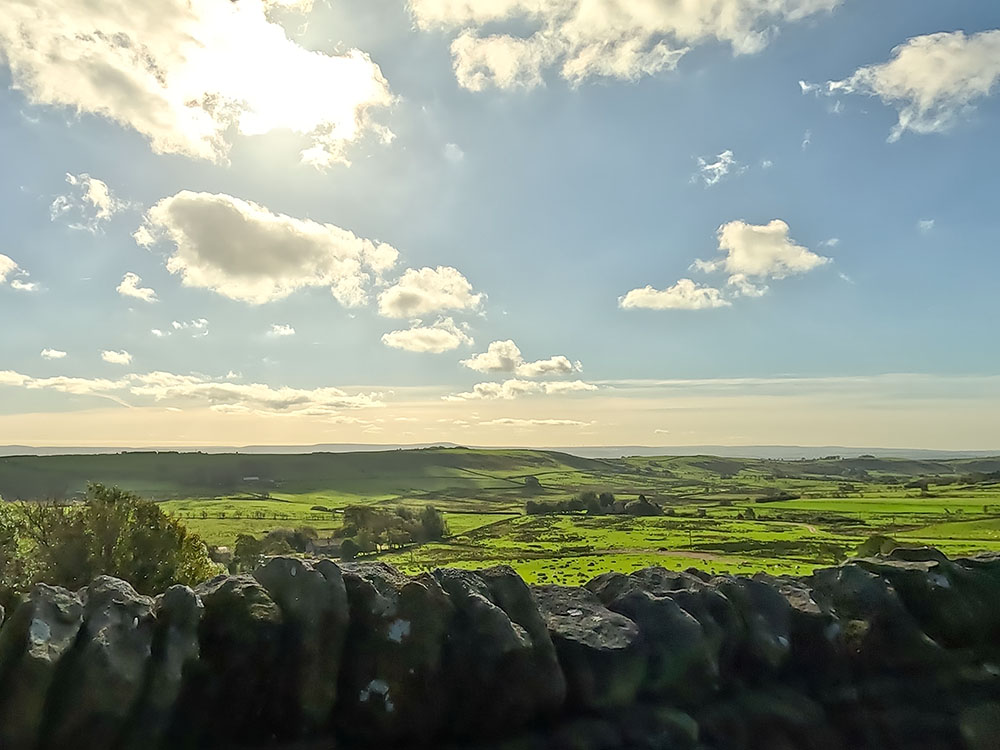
{"points": [[248, 550], [594, 504], [369, 529], [110, 532]]}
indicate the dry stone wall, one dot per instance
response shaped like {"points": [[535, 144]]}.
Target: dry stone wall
{"points": [[900, 651]]}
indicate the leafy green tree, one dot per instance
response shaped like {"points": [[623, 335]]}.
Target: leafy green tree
{"points": [[114, 533], [433, 526], [349, 549], [246, 552]]}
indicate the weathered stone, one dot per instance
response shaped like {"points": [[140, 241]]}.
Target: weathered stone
{"points": [[587, 734], [723, 625], [230, 694], [817, 637], [498, 638], [682, 662], [653, 727], [103, 677], [766, 616], [393, 682], [775, 719], [313, 602], [954, 605], [599, 650], [175, 651], [877, 629], [980, 726], [33, 642]]}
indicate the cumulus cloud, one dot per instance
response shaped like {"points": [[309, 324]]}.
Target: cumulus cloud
{"points": [[713, 172], [515, 388], [89, 205], [597, 38], [753, 253], [280, 330], [7, 267], [187, 73], [117, 358], [197, 327], [15, 276], [760, 251], [53, 354], [131, 287], [245, 252], [932, 81], [505, 356], [444, 335], [684, 295], [218, 394], [426, 291]]}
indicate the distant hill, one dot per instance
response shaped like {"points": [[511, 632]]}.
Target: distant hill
{"points": [[428, 472], [593, 451]]}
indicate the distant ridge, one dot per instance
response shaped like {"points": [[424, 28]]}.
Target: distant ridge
{"points": [[787, 452]]}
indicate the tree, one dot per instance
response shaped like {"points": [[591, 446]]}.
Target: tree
{"points": [[349, 549], [247, 552], [433, 526], [114, 533]]}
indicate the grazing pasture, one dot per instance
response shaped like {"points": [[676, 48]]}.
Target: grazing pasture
{"points": [[718, 514]]}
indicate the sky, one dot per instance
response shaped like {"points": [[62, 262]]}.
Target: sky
{"points": [[500, 222]]}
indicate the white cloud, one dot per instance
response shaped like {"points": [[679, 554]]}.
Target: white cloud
{"points": [[225, 395], [752, 254], [183, 73], [428, 290], [159, 333], [442, 336], [766, 164], [130, 287], [505, 356], [7, 267], [53, 354], [597, 38], [219, 394], [197, 327], [515, 388], [12, 273], [280, 330], [932, 81], [500, 356], [832, 242], [243, 251], [87, 207], [684, 295], [513, 422], [713, 172], [925, 225], [454, 153], [117, 358], [557, 365], [760, 251], [807, 139]]}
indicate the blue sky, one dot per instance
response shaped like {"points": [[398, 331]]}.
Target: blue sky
{"points": [[534, 182]]}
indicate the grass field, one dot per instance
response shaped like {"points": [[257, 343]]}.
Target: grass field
{"points": [[832, 504]]}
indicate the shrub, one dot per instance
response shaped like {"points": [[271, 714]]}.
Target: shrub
{"points": [[114, 533]]}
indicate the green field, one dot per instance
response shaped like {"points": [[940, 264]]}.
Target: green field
{"points": [[830, 506]]}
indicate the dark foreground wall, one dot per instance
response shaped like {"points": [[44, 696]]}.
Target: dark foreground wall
{"points": [[894, 652]]}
